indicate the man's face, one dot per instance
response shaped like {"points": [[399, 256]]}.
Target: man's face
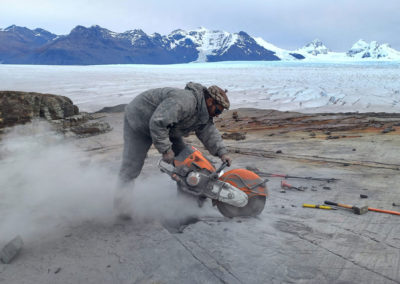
{"points": [[218, 109], [214, 109]]}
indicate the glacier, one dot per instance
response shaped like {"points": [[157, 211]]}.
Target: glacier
{"points": [[286, 86]]}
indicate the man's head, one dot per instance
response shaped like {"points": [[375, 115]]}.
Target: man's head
{"points": [[216, 100]]}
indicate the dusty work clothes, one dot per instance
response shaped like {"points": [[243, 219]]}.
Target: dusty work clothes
{"points": [[162, 116]]}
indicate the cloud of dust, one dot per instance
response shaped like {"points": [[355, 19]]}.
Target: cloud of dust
{"points": [[48, 184]]}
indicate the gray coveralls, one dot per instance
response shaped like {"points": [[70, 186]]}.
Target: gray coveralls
{"points": [[161, 117]]}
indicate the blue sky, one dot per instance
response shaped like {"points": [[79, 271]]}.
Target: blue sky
{"points": [[286, 23]]}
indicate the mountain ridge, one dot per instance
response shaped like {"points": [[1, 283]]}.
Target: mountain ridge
{"points": [[97, 45]]}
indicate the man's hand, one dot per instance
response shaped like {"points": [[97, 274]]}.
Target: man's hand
{"points": [[226, 159], [168, 156]]}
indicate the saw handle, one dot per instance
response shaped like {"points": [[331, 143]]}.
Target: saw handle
{"points": [[223, 166], [215, 174]]}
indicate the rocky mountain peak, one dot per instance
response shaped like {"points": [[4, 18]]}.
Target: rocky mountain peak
{"points": [[316, 43], [78, 29], [94, 33], [18, 30], [11, 28], [315, 47], [362, 49]]}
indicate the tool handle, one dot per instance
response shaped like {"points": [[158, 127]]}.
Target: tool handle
{"points": [[223, 166], [309, 205], [215, 175], [339, 204], [277, 175], [384, 211], [316, 206]]}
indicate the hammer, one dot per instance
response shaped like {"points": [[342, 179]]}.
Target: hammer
{"points": [[285, 185], [356, 210]]}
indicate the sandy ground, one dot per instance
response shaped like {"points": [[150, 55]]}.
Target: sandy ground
{"points": [[285, 244]]}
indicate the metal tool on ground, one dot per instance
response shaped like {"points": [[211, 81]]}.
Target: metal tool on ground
{"points": [[318, 206], [237, 192], [264, 174], [355, 209], [285, 185], [384, 211]]}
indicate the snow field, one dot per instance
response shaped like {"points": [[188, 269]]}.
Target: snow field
{"points": [[285, 86]]}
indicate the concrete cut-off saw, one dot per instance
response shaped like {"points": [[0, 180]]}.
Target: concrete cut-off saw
{"points": [[238, 192]]}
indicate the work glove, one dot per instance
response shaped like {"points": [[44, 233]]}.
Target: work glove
{"points": [[226, 159], [168, 156]]}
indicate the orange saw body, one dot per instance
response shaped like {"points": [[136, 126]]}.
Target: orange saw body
{"points": [[238, 192]]}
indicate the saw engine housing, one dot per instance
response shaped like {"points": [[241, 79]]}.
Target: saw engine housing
{"points": [[234, 192]]}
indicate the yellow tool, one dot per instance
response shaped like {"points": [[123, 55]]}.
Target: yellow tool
{"points": [[318, 206]]}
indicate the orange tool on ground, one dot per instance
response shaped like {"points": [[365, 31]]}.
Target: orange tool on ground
{"points": [[264, 174], [285, 185], [384, 211]]}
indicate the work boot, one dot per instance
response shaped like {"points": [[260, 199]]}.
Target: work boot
{"points": [[122, 202]]}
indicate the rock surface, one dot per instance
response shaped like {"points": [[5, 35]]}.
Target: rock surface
{"points": [[285, 244], [249, 119], [22, 107]]}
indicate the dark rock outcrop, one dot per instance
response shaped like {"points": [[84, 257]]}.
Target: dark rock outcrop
{"points": [[22, 107], [81, 125], [297, 56]]}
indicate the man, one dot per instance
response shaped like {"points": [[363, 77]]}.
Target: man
{"points": [[161, 117]]}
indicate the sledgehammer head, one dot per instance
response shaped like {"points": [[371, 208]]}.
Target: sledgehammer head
{"points": [[355, 209], [360, 210]]}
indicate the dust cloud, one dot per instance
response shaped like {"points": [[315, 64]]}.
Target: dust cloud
{"points": [[48, 185]]}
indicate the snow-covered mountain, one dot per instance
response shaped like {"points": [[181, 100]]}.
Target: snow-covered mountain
{"points": [[283, 54], [372, 50], [97, 45], [315, 47], [360, 51], [222, 46]]}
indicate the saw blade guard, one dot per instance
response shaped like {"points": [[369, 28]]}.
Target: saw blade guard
{"points": [[247, 181], [250, 184]]}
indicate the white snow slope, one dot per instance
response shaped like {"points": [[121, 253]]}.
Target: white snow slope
{"points": [[295, 86], [208, 42], [283, 54]]}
